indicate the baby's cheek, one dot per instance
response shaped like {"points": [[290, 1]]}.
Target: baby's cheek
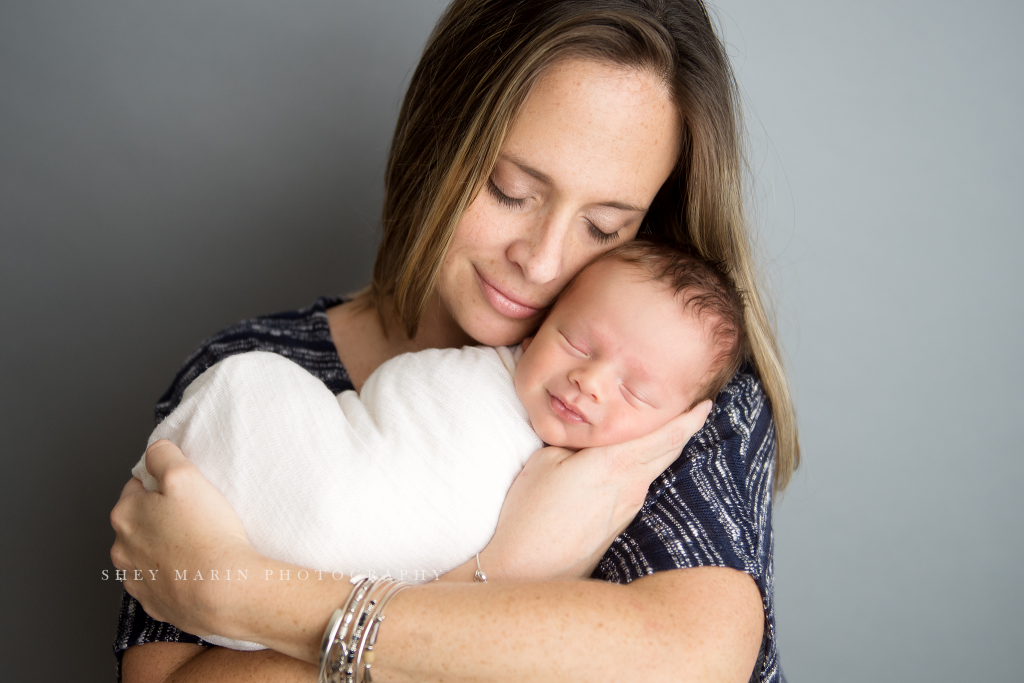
{"points": [[539, 420], [623, 426]]}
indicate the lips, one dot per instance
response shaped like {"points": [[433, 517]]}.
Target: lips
{"points": [[566, 411], [504, 303]]}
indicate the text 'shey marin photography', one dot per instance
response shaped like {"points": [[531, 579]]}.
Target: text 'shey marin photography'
{"points": [[415, 575]]}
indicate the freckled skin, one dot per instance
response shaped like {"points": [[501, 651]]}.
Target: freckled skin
{"points": [[588, 152], [617, 358]]}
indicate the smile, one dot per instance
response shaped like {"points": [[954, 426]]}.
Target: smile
{"points": [[564, 411], [503, 303]]}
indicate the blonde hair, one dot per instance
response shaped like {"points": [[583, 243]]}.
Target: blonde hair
{"points": [[479, 65]]}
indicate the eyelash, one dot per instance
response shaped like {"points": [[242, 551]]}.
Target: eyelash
{"points": [[502, 198], [635, 397], [517, 203], [578, 349], [602, 237]]}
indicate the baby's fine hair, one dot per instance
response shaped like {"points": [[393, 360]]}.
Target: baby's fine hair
{"points": [[703, 289]]}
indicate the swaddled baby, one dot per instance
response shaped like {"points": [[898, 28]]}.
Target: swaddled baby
{"points": [[409, 476]]}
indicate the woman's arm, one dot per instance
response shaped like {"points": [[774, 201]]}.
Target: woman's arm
{"points": [[683, 625], [165, 662], [290, 615], [701, 624]]}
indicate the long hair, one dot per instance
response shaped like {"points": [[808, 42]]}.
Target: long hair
{"points": [[479, 65]]}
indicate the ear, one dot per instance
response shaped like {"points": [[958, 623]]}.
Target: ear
{"points": [[526, 343]]}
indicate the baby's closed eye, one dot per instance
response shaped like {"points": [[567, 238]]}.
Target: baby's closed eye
{"points": [[574, 346], [634, 397]]}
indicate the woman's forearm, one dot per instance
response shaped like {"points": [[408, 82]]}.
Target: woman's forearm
{"points": [[169, 662], [684, 625], [692, 624], [186, 663]]}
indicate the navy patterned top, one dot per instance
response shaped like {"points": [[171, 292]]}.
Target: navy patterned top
{"points": [[712, 507]]}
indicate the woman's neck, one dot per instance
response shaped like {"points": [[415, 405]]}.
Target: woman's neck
{"points": [[363, 344]]}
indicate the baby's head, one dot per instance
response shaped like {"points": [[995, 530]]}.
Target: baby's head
{"points": [[643, 334]]}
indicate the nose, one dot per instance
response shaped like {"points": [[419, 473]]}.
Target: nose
{"points": [[540, 253], [588, 380]]}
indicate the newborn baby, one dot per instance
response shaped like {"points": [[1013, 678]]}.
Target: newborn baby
{"points": [[408, 477]]}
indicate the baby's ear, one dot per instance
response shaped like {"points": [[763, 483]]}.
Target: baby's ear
{"points": [[526, 343]]}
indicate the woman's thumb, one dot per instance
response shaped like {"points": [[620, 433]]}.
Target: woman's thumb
{"points": [[161, 457]]}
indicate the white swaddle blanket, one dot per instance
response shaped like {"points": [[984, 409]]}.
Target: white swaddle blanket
{"points": [[408, 476]]}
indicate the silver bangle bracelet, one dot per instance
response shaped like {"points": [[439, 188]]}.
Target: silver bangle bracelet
{"points": [[346, 649], [333, 651], [330, 634], [365, 654], [357, 617]]}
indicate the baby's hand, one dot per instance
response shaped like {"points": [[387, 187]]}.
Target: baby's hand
{"points": [[565, 508]]}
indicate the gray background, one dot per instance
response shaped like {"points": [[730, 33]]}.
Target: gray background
{"points": [[169, 168]]}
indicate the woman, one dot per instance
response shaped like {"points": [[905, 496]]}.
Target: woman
{"points": [[534, 136]]}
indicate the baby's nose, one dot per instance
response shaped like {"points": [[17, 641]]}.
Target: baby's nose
{"points": [[587, 383]]}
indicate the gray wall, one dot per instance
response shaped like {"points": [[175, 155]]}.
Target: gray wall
{"points": [[888, 140], [169, 168]]}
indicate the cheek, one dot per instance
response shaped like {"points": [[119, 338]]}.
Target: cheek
{"points": [[481, 231], [456, 281], [528, 377], [625, 423], [536, 368]]}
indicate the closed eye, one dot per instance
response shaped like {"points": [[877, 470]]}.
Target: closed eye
{"points": [[502, 198], [632, 395], [581, 352], [600, 236]]}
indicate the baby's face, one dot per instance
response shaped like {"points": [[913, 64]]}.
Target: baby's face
{"points": [[616, 358]]}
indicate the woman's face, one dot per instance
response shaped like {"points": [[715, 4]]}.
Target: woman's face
{"points": [[590, 149]]}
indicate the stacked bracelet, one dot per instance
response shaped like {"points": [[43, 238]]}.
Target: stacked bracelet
{"points": [[346, 651]]}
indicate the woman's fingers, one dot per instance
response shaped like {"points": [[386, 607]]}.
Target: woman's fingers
{"points": [[660, 448], [635, 464], [132, 487], [599, 489], [186, 522], [120, 516]]}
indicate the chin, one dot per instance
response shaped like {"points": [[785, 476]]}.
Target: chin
{"points": [[553, 435], [494, 330]]}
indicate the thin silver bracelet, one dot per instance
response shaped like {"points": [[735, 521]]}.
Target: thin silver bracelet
{"points": [[357, 615], [479, 576], [346, 649], [365, 654], [332, 650], [333, 625], [352, 673]]}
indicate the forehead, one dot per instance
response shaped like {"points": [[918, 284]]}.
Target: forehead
{"points": [[598, 128]]}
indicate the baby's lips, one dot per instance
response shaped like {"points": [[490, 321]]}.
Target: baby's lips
{"points": [[567, 411]]}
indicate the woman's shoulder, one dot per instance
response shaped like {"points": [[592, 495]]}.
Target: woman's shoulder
{"points": [[302, 336], [740, 434]]}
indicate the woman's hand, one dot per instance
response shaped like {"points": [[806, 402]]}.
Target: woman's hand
{"points": [[565, 508], [184, 525]]}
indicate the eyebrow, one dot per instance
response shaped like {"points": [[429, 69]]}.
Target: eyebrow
{"points": [[546, 179]]}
